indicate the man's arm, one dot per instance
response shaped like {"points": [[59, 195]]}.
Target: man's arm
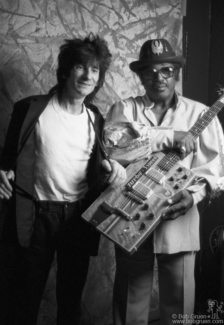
{"points": [[9, 152], [117, 172], [127, 140], [205, 161]]}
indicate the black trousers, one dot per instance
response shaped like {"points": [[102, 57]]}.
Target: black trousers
{"points": [[58, 227]]}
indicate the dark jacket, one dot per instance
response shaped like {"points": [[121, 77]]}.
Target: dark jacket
{"points": [[19, 155]]}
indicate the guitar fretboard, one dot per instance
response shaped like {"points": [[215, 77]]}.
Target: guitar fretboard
{"points": [[207, 117], [173, 157]]}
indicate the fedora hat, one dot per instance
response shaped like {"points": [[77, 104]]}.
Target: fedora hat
{"points": [[156, 51]]}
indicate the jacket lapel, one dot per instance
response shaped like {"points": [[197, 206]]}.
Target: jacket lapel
{"points": [[37, 106], [25, 171]]}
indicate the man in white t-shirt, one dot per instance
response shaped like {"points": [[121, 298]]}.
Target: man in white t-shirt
{"points": [[53, 154]]}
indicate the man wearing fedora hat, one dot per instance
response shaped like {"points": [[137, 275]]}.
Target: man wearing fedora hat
{"points": [[161, 119]]}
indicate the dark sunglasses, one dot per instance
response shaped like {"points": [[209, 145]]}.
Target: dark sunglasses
{"points": [[165, 72]]}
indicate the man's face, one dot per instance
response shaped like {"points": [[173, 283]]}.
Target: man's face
{"points": [[158, 84], [82, 80]]}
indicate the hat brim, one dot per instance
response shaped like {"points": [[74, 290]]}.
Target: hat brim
{"points": [[136, 65]]}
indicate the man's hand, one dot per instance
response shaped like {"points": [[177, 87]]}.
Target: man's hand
{"points": [[5, 187], [185, 142], [117, 172], [180, 203]]}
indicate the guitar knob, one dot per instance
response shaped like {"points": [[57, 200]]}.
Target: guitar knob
{"points": [[137, 216], [145, 207], [185, 176], [142, 226], [179, 169], [176, 187], [171, 179], [151, 216]]}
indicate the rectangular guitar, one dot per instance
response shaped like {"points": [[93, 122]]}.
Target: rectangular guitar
{"points": [[128, 214]]}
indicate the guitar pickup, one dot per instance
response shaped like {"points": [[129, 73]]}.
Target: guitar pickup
{"points": [[155, 175]]}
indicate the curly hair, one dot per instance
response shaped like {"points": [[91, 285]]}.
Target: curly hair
{"points": [[78, 51]]}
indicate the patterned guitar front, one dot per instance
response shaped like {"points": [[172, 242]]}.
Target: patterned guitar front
{"points": [[129, 214]]}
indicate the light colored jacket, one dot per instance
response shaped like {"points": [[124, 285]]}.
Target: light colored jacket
{"points": [[181, 234]]}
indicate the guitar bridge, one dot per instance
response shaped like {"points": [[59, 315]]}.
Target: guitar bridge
{"points": [[133, 196], [123, 213]]}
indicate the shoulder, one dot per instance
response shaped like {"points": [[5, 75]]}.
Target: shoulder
{"points": [[31, 99], [93, 108], [190, 103], [190, 107], [98, 120], [130, 101], [126, 108], [21, 108]]}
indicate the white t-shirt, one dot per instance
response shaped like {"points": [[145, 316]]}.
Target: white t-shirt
{"points": [[64, 143]]}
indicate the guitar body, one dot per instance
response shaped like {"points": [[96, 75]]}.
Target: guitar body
{"points": [[128, 214]]}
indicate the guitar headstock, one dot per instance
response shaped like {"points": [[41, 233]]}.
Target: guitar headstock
{"points": [[220, 90]]}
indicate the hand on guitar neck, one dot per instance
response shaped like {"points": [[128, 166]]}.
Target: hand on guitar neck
{"points": [[185, 143]]}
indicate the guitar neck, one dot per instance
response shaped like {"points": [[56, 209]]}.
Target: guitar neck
{"points": [[207, 117], [173, 157]]}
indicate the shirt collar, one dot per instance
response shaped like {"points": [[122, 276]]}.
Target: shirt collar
{"points": [[148, 104]]}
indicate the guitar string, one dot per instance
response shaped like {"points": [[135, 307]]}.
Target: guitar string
{"points": [[207, 117], [147, 182]]}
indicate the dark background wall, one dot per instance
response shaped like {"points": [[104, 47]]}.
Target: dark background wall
{"points": [[212, 285], [196, 39], [203, 44]]}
